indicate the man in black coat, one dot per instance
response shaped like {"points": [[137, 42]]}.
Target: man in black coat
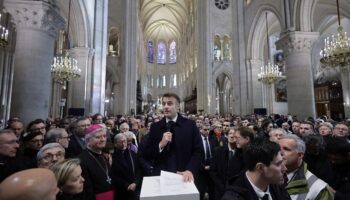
{"points": [[264, 175], [174, 143], [226, 164], [77, 139], [126, 171], [203, 180]]}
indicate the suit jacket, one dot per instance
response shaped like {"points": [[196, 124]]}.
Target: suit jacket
{"points": [[222, 170], [74, 147], [183, 153], [243, 190], [123, 174]]}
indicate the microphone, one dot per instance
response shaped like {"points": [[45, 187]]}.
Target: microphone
{"points": [[169, 128]]}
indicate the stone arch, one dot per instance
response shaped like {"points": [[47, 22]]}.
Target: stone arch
{"points": [[258, 30], [80, 31], [223, 69]]}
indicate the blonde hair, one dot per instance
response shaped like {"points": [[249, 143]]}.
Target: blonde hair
{"points": [[64, 169]]}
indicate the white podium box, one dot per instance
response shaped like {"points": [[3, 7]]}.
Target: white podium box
{"points": [[167, 186]]}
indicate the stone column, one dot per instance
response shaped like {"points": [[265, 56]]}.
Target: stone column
{"points": [[129, 70], [37, 24], [345, 82], [80, 88], [296, 47], [205, 84], [98, 72]]}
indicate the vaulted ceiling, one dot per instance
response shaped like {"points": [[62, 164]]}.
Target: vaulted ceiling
{"points": [[164, 19]]}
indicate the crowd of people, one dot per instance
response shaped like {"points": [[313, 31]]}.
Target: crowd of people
{"points": [[227, 157]]}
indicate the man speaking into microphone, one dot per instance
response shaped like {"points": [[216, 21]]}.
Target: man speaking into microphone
{"points": [[174, 143]]}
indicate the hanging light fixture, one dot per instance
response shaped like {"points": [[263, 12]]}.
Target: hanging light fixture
{"points": [[64, 67], [4, 33], [269, 74], [336, 49]]}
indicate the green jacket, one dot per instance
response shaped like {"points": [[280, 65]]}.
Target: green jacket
{"points": [[306, 186]]}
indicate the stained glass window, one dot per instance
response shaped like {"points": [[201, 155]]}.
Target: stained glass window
{"points": [[172, 56], [161, 59], [150, 55]]}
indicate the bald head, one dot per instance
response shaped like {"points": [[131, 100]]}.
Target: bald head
{"points": [[33, 184]]}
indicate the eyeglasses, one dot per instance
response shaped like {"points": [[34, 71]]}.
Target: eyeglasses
{"points": [[49, 156], [342, 129], [226, 125]]}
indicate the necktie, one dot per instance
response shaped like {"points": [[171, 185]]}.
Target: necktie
{"points": [[230, 154], [265, 197], [285, 179], [207, 150]]}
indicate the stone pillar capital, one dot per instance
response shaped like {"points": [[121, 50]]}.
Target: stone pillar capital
{"points": [[296, 41], [39, 15]]}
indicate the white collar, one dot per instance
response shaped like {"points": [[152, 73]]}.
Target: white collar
{"points": [[173, 119], [260, 193]]}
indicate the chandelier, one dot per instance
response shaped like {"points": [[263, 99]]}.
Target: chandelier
{"points": [[336, 49], [64, 67], [4, 33], [269, 74]]}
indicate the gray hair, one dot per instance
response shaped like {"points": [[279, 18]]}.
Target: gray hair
{"points": [[299, 142], [124, 125], [53, 134], [284, 133], [119, 136], [40, 154]]}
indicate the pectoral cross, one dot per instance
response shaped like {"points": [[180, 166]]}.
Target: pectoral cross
{"points": [[109, 180]]}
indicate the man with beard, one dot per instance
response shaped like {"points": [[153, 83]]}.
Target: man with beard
{"points": [[174, 143]]}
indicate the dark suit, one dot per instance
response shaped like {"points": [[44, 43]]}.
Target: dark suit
{"points": [[202, 179], [223, 169], [243, 190], [183, 153], [125, 172], [75, 147]]}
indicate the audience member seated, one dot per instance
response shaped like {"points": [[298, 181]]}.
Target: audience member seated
{"points": [[49, 154], [69, 180], [31, 184]]}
